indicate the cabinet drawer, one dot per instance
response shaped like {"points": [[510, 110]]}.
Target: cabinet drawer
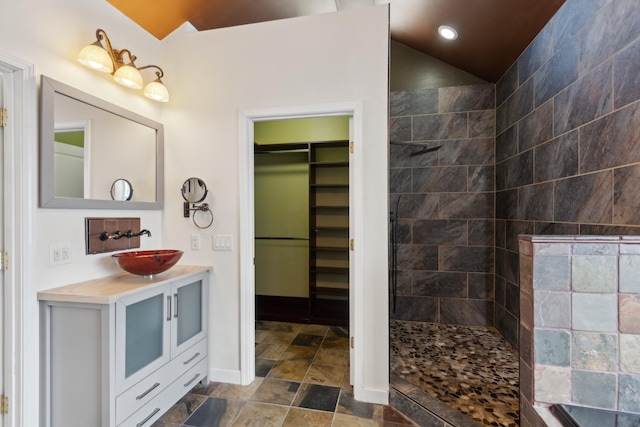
{"points": [[145, 390], [157, 406]]}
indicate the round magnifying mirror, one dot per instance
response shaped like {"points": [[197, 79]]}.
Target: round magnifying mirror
{"points": [[121, 190], [194, 190]]}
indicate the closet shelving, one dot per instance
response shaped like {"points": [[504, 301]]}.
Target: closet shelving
{"points": [[329, 231]]}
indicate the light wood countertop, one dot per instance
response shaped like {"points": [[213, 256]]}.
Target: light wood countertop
{"points": [[106, 290]]}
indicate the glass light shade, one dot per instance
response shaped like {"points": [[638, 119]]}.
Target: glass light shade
{"points": [[95, 57], [128, 76], [157, 91]]}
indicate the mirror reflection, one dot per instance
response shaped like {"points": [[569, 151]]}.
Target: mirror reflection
{"points": [[194, 190], [122, 190], [87, 145]]}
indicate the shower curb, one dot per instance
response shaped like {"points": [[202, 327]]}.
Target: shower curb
{"points": [[423, 409]]}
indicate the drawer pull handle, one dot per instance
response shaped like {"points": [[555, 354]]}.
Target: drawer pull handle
{"points": [[168, 307], [191, 380], [153, 387], [175, 306], [186, 362], [141, 423]]}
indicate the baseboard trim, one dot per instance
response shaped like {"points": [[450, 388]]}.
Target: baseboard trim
{"points": [[225, 376]]}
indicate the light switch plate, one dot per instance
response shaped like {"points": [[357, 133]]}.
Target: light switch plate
{"points": [[222, 242]]}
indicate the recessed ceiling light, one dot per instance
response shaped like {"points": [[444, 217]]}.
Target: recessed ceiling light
{"points": [[448, 32]]}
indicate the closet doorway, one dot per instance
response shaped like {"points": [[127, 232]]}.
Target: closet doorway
{"points": [[301, 214]]}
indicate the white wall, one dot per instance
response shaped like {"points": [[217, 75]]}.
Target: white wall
{"points": [[212, 75], [337, 57]]}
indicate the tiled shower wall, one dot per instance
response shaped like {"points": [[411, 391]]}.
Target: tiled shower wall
{"points": [[568, 137], [444, 203]]}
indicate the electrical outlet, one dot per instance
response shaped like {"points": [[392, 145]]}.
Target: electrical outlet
{"points": [[195, 242], [222, 243], [59, 254]]}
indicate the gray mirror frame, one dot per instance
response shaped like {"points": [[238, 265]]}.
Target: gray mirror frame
{"points": [[48, 89]]}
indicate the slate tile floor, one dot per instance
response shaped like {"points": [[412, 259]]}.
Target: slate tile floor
{"points": [[302, 380]]}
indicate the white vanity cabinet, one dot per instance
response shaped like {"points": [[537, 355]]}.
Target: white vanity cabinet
{"points": [[120, 351]]}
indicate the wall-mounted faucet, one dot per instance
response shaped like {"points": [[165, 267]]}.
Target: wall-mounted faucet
{"points": [[116, 235]]}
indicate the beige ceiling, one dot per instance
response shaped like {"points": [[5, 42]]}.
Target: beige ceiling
{"points": [[492, 33]]}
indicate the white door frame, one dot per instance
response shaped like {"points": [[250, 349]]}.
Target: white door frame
{"points": [[20, 193], [247, 118]]}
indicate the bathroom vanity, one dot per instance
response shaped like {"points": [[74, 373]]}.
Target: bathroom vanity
{"points": [[121, 350]]}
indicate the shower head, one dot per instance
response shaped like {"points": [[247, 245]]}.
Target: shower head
{"points": [[425, 150]]}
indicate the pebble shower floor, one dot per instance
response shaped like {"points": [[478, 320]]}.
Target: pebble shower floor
{"points": [[473, 369]]}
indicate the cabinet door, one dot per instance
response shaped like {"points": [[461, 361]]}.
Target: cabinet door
{"points": [[189, 323], [142, 335]]}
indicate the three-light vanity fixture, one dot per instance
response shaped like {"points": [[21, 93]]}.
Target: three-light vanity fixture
{"points": [[109, 60]]}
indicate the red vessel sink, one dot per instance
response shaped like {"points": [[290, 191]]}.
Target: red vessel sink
{"points": [[147, 263]]}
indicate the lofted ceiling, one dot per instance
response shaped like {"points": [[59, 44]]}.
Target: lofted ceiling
{"points": [[492, 33]]}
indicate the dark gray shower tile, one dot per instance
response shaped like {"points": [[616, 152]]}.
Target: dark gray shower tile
{"points": [[536, 203], [506, 203], [507, 84], [615, 26], [403, 230], [536, 128], [481, 232], [418, 309], [440, 126], [479, 151], [551, 228], [481, 286], [439, 179], [520, 103], [501, 233], [596, 389], [514, 229], [558, 73], [585, 198], [481, 178], [536, 54], [507, 143], [507, 324], [501, 118], [399, 180], [501, 290], [466, 205], [417, 257], [626, 82], [440, 232], [557, 158], [413, 102], [400, 156], [507, 265], [414, 411], [440, 284], [518, 170], [482, 124], [626, 196], [587, 99], [611, 141], [466, 312], [404, 282], [608, 230], [526, 345], [418, 206], [571, 17], [526, 382], [400, 129], [466, 258], [466, 98]]}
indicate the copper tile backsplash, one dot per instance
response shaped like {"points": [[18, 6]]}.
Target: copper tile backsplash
{"points": [[96, 226]]}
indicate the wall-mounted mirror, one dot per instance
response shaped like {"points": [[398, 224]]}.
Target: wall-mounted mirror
{"points": [[88, 144]]}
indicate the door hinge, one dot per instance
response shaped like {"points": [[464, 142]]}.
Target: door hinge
{"points": [[352, 342], [4, 405], [4, 261], [351, 147], [3, 117], [351, 244]]}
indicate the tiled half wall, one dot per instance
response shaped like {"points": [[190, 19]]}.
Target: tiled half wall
{"points": [[579, 323]]}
